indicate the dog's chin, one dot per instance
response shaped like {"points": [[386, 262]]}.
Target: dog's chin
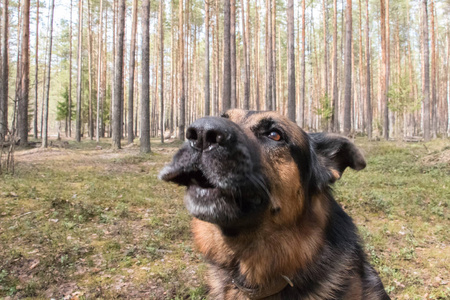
{"points": [[222, 207]]}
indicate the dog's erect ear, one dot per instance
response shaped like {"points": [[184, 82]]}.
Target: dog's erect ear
{"points": [[336, 153]]}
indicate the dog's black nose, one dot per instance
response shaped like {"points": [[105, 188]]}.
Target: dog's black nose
{"points": [[208, 133]]}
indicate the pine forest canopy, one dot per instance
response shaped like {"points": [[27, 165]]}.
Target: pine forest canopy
{"points": [[382, 72]]}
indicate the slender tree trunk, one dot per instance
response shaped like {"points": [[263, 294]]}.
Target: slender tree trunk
{"points": [[426, 76], [90, 119], [25, 72], [335, 92], [233, 52], [273, 23], [291, 61], [118, 81], [69, 106], [246, 59], [348, 68], [301, 109], [325, 45], [161, 49], [383, 71], [368, 101], [131, 74], [226, 92], [145, 87], [257, 67], [36, 79], [269, 63], [207, 80], [99, 72], [49, 64], [361, 70], [182, 113], [433, 74], [79, 71], [4, 75]]}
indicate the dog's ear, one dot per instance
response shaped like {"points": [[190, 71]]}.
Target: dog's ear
{"points": [[336, 153]]}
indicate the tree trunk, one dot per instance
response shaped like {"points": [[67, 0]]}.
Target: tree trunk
{"points": [[301, 108], [368, 101], [182, 113], [118, 79], [426, 75], [49, 63], [269, 63], [433, 74], [348, 69], [36, 79], [325, 46], [79, 71], [131, 74], [25, 72], [207, 111], [4, 75], [246, 103], [90, 119], [273, 72], [69, 121], [145, 87], [233, 53], [99, 72], [335, 92], [226, 92], [161, 49], [291, 61]]}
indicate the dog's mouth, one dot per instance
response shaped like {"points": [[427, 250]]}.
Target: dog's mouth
{"points": [[207, 201]]}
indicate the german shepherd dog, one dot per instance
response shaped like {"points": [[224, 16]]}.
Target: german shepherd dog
{"points": [[265, 219]]}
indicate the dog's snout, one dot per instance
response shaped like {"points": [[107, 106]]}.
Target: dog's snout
{"points": [[208, 133]]}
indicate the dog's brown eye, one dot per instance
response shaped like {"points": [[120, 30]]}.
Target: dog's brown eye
{"points": [[273, 135]]}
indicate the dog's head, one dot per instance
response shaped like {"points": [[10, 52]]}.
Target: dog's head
{"points": [[246, 164]]}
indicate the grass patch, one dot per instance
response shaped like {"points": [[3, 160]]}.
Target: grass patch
{"points": [[86, 221]]}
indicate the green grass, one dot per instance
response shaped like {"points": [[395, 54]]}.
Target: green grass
{"points": [[96, 223]]}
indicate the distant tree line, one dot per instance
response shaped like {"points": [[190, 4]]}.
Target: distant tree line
{"points": [[143, 68]]}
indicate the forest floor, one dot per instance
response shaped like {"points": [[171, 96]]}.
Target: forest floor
{"points": [[81, 221]]}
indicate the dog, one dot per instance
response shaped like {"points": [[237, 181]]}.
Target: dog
{"points": [[259, 190]]}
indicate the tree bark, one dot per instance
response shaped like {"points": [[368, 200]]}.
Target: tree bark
{"points": [[49, 64], [368, 100], [131, 74], [246, 104], [233, 97], [99, 72], [145, 87], [69, 121], [25, 72], [335, 92], [325, 45], [301, 108], [207, 111], [433, 74], [4, 75], [118, 79], [161, 45], [273, 23], [269, 63], [426, 75], [90, 118], [348, 69], [291, 61], [36, 73], [79, 71], [226, 92], [182, 112]]}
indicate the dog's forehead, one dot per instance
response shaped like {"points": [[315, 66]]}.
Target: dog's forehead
{"points": [[250, 119]]}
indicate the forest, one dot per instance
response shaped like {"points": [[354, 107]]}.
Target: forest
{"points": [[126, 69], [96, 97]]}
